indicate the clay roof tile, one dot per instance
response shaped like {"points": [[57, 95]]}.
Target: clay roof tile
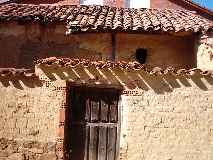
{"points": [[106, 19], [66, 62]]}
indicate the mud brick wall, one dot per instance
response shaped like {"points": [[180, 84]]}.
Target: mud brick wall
{"points": [[176, 125], [21, 44], [162, 50], [29, 116], [162, 117], [205, 52]]}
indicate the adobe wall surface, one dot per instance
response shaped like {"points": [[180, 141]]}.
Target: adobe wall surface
{"points": [[176, 125], [162, 117], [21, 44], [24, 43], [29, 119], [205, 52], [163, 51]]}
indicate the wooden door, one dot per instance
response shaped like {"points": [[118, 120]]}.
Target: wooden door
{"points": [[94, 124]]}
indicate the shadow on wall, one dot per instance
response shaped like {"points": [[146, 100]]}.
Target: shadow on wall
{"points": [[21, 82], [127, 79]]}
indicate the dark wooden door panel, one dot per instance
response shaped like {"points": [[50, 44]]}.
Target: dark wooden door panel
{"points": [[111, 146], [88, 111], [86, 147], [113, 113], [77, 108], [78, 142], [94, 111], [104, 111], [93, 142], [94, 123], [102, 145]]}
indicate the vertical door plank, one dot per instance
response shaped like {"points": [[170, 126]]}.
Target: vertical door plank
{"points": [[94, 111], [102, 143], [87, 114], [113, 112], [86, 152], [111, 144], [93, 143], [104, 111]]}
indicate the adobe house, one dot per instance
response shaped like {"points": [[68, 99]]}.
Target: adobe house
{"points": [[106, 83]]}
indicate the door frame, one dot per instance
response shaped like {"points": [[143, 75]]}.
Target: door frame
{"points": [[65, 112]]}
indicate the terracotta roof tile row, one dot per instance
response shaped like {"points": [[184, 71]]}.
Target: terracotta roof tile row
{"points": [[12, 72], [67, 62], [106, 19]]}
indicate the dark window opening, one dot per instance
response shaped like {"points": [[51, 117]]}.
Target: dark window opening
{"points": [[141, 55]]}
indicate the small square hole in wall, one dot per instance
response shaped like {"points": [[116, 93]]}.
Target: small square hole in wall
{"points": [[141, 55]]}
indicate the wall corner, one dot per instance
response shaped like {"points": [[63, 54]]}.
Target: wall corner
{"points": [[205, 52]]}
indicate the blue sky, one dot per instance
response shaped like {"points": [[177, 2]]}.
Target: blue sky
{"points": [[205, 3]]}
